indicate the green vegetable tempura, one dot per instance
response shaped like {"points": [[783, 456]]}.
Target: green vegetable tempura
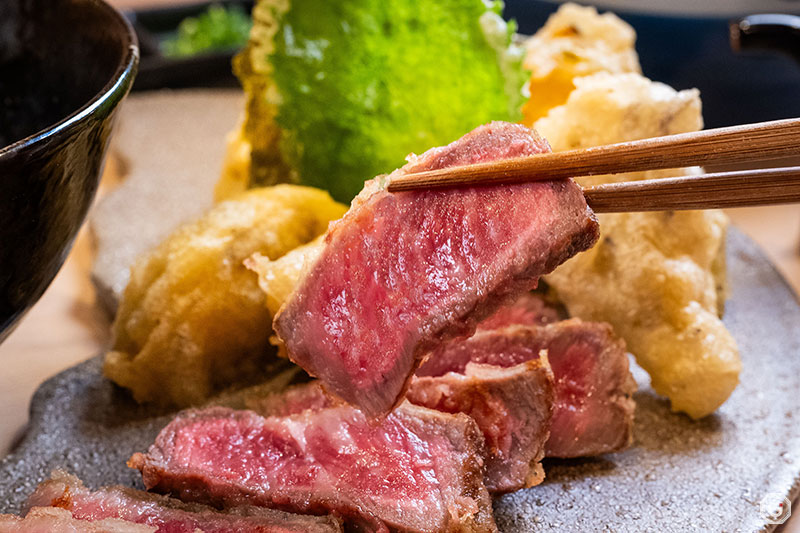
{"points": [[219, 28], [339, 92]]}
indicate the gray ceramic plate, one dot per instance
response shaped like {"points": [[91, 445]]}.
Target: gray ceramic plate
{"points": [[678, 476]]}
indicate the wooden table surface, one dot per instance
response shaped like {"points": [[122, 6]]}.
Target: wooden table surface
{"points": [[65, 327]]}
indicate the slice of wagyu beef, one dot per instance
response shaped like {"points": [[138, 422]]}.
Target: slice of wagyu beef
{"points": [[513, 407], [56, 520], [415, 470], [529, 308], [403, 272], [293, 400], [167, 515], [594, 407]]}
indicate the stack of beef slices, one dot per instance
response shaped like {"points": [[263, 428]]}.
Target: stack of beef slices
{"points": [[62, 504], [441, 378]]}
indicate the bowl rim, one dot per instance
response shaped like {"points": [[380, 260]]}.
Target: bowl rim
{"points": [[109, 96]]}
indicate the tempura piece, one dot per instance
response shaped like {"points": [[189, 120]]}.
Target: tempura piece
{"points": [[193, 319], [608, 108], [576, 41], [278, 278], [658, 278], [337, 92], [260, 135], [235, 177]]}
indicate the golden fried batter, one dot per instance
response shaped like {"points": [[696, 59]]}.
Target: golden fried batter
{"points": [[235, 177], [193, 319], [656, 277], [278, 277], [576, 41], [650, 276]]}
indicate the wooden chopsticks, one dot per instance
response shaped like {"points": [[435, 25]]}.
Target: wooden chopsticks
{"points": [[703, 191], [737, 144]]}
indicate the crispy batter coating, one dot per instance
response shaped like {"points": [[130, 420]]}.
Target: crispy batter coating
{"points": [[576, 41], [278, 277], [193, 319], [658, 278], [607, 108], [235, 177]]}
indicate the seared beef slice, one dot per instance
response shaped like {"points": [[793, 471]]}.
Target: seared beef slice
{"points": [[55, 520], [594, 389], [529, 308], [593, 385], [293, 401], [416, 470], [166, 515], [512, 407], [403, 272]]}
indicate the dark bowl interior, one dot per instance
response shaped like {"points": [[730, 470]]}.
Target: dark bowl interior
{"points": [[65, 65]]}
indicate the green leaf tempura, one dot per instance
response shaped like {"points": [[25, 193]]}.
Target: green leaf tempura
{"points": [[355, 85]]}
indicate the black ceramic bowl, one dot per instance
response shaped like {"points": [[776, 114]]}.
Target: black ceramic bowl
{"points": [[65, 65]]}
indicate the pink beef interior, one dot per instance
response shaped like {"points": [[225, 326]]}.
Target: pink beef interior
{"points": [[512, 407], [403, 272], [292, 401], [56, 520], [594, 409], [528, 308], [168, 515], [417, 470]]}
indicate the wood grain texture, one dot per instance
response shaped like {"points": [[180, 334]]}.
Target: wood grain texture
{"points": [[704, 191], [763, 141]]}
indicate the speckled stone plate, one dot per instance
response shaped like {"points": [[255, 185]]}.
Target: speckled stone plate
{"points": [[678, 476]]}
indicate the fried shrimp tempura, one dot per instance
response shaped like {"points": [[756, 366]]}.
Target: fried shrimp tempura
{"points": [[193, 319], [657, 277]]}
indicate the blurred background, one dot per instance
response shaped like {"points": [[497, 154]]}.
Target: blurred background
{"points": [[688, 43], [747, 68]]}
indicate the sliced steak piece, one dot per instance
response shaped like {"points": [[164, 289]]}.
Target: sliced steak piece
{"points": [[594, 409], [402, 272], [55, 520], [293, 401], [512, 407], [594, 389], [529, 308], [416, 470], [167, 515], [504, 347]]}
